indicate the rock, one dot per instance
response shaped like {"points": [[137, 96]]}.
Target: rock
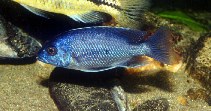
{"points": [[202, 94], [6, 50], [74, 90], [161, 104], [69, 97], [120, 98], [199, 62], [15, 43]]}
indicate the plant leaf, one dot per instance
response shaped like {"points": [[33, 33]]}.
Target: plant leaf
{"points": [[183, 18]]}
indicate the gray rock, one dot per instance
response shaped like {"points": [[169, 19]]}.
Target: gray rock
{"points": [[120, 98], [14, 43], [78, 91], [161, 104]]}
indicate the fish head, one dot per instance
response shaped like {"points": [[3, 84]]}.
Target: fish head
{"points": [[55, 53]]}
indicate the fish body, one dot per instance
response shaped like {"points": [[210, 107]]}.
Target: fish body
{"points": [[99, 48], [89, 11]]}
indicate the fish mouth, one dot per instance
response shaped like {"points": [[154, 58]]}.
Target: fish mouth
{"points": [[41, 58], [45, 60]]}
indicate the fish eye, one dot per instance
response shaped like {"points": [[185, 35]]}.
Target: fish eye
{"points": [[51, 51]]}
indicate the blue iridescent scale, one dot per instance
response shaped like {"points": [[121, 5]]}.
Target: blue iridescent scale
{"points": [[103, 49]]}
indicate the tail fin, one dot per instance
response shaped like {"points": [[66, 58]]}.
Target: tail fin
{"points": [[161, 47], [131, 13]]}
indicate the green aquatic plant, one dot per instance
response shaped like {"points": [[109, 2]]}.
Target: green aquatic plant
{"points": [[183, 18]]}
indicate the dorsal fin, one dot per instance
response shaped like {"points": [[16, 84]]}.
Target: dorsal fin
{"points": [[133, 36]]}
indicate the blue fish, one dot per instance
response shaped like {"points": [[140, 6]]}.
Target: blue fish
{"points": [[99, 48]]}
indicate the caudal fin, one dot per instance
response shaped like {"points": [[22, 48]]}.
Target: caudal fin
{"points": [[161, 48], [132, 11]]}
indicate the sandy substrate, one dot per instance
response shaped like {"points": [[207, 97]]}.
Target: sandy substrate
{"points": [[21, 88], [172, 86]]}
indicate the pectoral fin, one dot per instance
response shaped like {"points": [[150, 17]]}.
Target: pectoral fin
{"points": [[36, 11], [91, 17]]}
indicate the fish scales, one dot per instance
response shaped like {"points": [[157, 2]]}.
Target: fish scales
{"points": [[105, 53]]}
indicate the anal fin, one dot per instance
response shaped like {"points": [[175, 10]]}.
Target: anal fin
{"points": [[137, 61]]}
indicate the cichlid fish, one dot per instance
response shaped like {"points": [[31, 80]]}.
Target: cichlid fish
{"points": [[90, 11], [100, 48]]}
